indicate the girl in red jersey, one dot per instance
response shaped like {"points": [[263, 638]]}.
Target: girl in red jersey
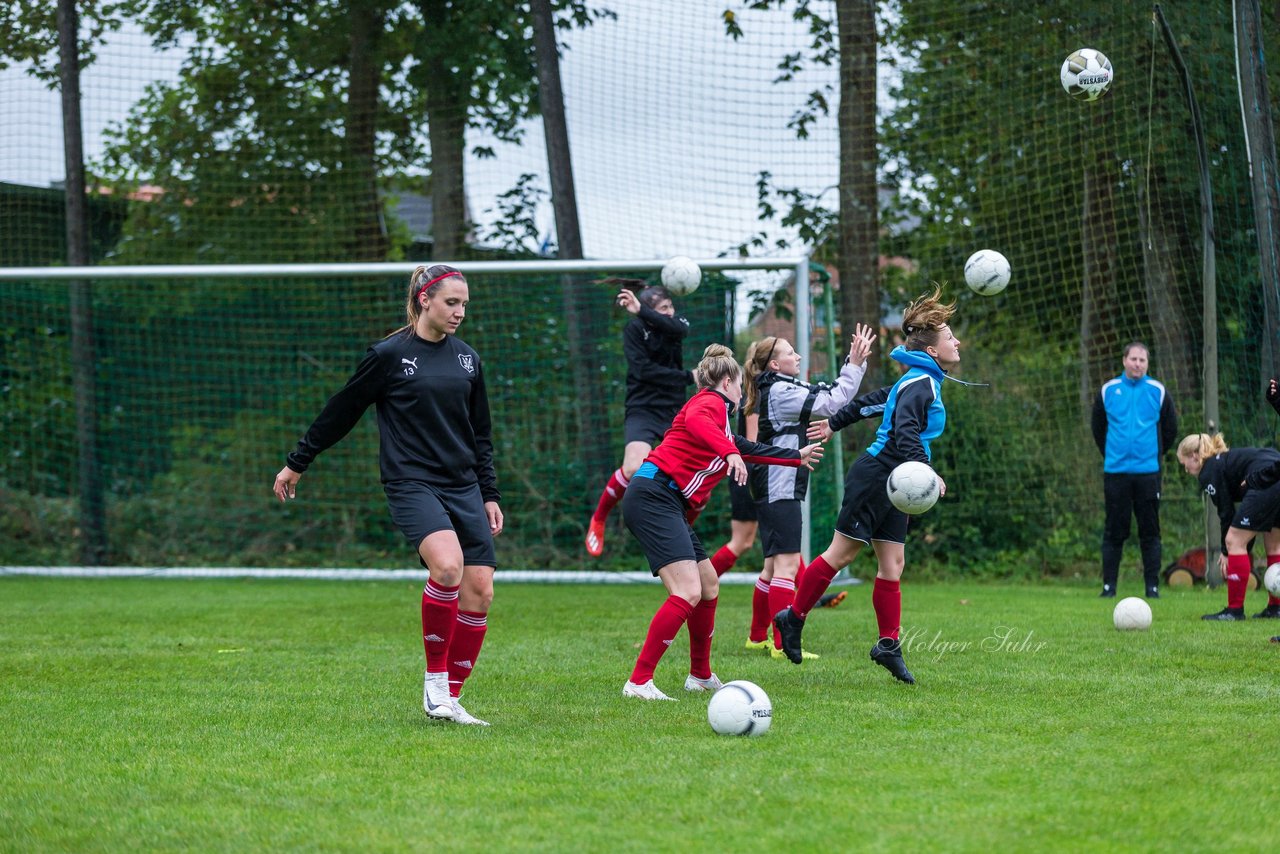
{"points": [[668, 492], [436, 459]]}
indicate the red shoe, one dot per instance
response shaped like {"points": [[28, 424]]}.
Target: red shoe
{"points": [[595, 538]]}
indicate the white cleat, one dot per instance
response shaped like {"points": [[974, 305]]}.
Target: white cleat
{"points": [[693, 683], [436, 701], [462, 716], [647, 691]]}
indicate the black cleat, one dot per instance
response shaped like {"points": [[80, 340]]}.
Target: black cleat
{"points": [[888, 654], [789, 627], [1107, 593], [1226, 615], [831, 600], [1153, 593], [1275, 638], [1271, 612]]}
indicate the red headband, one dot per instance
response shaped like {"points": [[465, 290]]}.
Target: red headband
{"points": [[433, 281]]}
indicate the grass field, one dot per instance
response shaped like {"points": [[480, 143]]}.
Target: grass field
{"points": [[251, 715]]}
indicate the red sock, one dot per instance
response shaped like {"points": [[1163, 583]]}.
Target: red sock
{"points": [[817, 577], [464, 649], [611, 496], [800, 573], [782, 592], [760, 613], [1238, 567], [663, 629], [439, 614], [702, 626], [1273, 600], [886, 598], [723, 559]]}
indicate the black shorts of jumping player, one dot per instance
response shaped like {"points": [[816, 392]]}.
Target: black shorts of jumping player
{"points": [[781, 524], [420, 509], [647, 425], [1259, 510], [741, 505], [866, 514], [654, 511]]}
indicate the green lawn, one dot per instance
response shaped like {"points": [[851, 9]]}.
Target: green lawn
{"points": [[252, 715]]}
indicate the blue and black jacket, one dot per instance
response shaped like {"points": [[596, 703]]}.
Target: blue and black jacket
{"points": [[1133, 423], [911, 409]]}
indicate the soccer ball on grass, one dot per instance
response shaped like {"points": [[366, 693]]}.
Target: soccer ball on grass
{"points": [[1271, 580], [986, 272], [681, 276], [1132, 614], [740, 708], [912, 487], [1086, 74]]}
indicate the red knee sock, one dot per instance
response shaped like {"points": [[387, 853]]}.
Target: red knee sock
{"points": [[464, 649], [611, 496], [663, 629], [800, 573], [723, 560], [439, 614], [1238, 568], [760, 613], [782, 592], [702, 625], [1273, 600], [886, 598], [817, 577]]}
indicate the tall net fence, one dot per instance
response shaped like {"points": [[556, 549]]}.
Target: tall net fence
{"points": [[252, 134]]}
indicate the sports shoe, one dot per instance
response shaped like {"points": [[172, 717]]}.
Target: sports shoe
{"points": [[1154, 593], [888, 654], [774, 652], [831, 600], [595, 537], [462, 716], [1275, 638], [647, 691], [693, 683], [436, 701], [1107, 593], [789, 627], [757, 645], [1271, 612], [1226, 615]]}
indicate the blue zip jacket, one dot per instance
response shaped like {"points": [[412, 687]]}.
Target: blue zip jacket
{"points": [[1133, 423], [913, 414]]}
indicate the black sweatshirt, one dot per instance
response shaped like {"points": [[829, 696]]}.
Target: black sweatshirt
{"points": [[656, 377], [433, 414]]}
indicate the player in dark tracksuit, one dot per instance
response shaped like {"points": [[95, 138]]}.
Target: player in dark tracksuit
{"points": [[653, 341], [436, 459]]}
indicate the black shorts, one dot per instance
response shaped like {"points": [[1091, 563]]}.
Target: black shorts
{"points": [[654, 512], [1259, 510], [742, 505], [419, 510], [781, 524], [866, 513], [647, 425]]}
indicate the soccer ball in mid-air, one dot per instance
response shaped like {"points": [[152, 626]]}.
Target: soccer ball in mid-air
{"points": [[912, 487], [1132, 615], [986, 272], [740, 708], [1086, 74], [681, 276], [1271, 580]]}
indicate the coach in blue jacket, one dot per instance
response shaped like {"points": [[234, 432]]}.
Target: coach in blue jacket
{"points": [[1133, 423]]}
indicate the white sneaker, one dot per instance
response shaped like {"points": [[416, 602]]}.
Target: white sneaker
{"points": [[693, 683], [647, 691], [436, 701], [462, 716]]}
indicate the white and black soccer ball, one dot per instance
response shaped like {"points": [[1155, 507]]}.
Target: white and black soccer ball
{"points": [[912, 487], [1086, 74], [1271, 580], [681, 276], [987, 272], [740, 708], [1132, 615]]}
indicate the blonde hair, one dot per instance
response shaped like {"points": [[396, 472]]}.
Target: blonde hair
{"points": [[716, 366], [923, 319], [759, 354], [423, 275], [1202, 446]]}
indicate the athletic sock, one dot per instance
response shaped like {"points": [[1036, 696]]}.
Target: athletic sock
{"points": [[817, 577], [723, 560], [886, 598], [800, 572], [702, 626], [439, 614], [760, 613], [611, 496], [1238, 567], [663, 628], [464, 649], [782, 592]]}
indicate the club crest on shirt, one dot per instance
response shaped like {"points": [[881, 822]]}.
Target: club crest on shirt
{"points": [[468, 362]]}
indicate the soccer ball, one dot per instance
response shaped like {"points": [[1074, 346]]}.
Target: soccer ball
{"points": [[987, 272], [1271, 580], [1132, 614], [912, 487], [740, 708], [681, 276], [1086, 74]]}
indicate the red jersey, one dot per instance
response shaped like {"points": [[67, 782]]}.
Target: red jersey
{"points": [[693, 451]]}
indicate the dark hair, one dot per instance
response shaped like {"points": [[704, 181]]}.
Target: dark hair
{"points": [[1133, 344], [923, 319], [654, 294], [428, 279]]}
